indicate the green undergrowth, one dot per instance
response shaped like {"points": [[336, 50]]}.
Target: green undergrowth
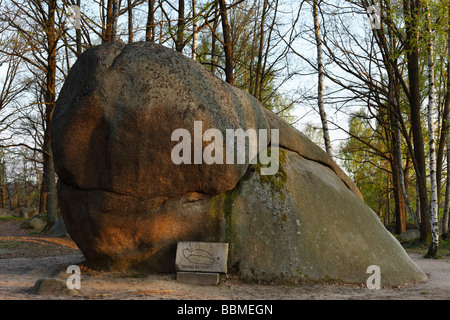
{"points": [[11, 218], [419, 247]]}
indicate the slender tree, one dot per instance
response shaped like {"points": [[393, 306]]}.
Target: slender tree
{"points": [[261, 40], [130, 20], [213, 36], [194, 30], [78, 35], [446, 220], [411, 10], [227, 43], [179, 42], [432, 251], [112, 15], [150, 27], [320, 104], [50, 99]]}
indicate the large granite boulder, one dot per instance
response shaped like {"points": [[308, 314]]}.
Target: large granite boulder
{"points": [[115, 115], [305, 223], [126, 203]]}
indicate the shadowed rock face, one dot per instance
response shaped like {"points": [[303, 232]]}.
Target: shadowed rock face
{"points": [[126, 204]]}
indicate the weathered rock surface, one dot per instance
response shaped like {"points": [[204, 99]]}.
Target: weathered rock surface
{"points": [[115, 116], [59, 229], [53, 287], [34, 222], [409, 235], [304, 223], [126, 204]]}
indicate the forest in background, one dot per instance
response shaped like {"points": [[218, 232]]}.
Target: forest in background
{"points": [[368, 81]]}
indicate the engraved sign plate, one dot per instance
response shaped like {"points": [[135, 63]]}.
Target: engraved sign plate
{"points": [[202, 257]]}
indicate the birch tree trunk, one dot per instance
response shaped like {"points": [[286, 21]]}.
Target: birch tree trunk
{"points": [[323, 116], [432, 251], [445, 218]]}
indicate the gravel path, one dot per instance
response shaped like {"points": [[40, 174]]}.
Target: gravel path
{"points": [[23, 262]]}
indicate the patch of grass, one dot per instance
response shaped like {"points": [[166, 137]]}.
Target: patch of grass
{"points": [[444, 246], [414, 245], [11, 218], [418, 247], [34, 233]]}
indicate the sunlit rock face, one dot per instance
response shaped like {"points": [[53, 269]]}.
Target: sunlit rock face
{"points": [[126, 203]]}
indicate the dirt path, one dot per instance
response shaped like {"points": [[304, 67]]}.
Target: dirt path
{"points": [[24, 259]]}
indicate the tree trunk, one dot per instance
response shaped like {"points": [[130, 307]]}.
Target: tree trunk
{"points": [[130, 21], [179, 43], [323, 116], [51, 195], [112, 14], [3, 182], [445, 124], [3, 198], [445, 218], [403, 189], [43, 197], [194, 30], [269, 38], [229, 77], [109, 15], [260, 51], [418, 214], [400, 206], [396, 143], [213, 37], [150, 28], [115, 17], [78, 35], [400, 197], [49, 169], [252, 84], [432, 251], [411, 9], [388, 195]]}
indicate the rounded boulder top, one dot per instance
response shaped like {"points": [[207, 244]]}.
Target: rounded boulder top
{"points": [[114, 118]]}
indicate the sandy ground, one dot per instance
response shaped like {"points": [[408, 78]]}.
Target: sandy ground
{"points": [[25, 258]]}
